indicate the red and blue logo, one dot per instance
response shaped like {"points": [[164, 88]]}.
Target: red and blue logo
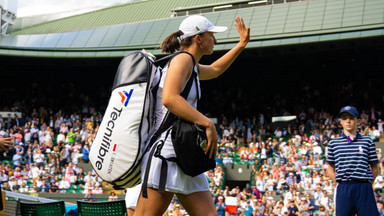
{"points": [[125, 97]]}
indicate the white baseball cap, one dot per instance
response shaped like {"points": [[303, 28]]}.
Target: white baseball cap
{"points": [[196, 24]]}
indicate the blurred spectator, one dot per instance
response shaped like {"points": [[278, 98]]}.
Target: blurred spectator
{"points": [[113, 197], [177, 211], [85, 152], [380, 207], [323, 210], [97, 189], [54, 188], [220, 206], [227, 160], [89, 196], [44, 187], [64, 185], [24, 188], [17, 158]]}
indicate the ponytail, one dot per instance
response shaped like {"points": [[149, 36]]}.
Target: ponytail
{"points": [[173, 43]]}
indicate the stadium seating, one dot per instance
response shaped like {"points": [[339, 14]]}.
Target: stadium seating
{"points": [[42, 209], [115, 208]]}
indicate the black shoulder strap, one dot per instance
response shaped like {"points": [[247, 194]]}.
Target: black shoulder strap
{"points": [[166, 124], [170, 117], [164, 60]]}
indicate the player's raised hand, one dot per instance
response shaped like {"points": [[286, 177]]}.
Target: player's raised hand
{"points": [[244, 32]]}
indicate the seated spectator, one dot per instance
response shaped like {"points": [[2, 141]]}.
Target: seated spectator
{"points": [[260, 184], [23, 188], [28, 157], [64, 185], [44, 187], [97, 179], [177, 211], [60, 137], [54, 188], [76, 169], [25, 172], [34, 188], [89, 196], [227, 160], [279, 209], [220, 206], [88, 186], [317, 196], [20, 148], [271, 183], [113, 197], [303, 206], [323, 210], [55, 180], [80, 179], [14, 184], [219, 160], [17, 172], [17, 158], [218, 176], [97, 189], [256, 167], [374, 134], [68, 172], [42, 173], [252, 156], [282, 185], [3, 176], [6, 186], [380, 207], [38, 158], [292, 208], [248, 191], [256, 192], [264, 169], [244, 155], [88, 177], [85, 152]]}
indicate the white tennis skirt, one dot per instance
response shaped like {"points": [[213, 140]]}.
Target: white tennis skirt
{"points": [[131, 196], [177, 180]]}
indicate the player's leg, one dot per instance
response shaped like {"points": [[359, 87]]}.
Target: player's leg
{"points": [[156, 203], [130, 212], [198, 203]]}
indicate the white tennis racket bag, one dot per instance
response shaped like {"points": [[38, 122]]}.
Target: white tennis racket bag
{"points": [[116, 152]]}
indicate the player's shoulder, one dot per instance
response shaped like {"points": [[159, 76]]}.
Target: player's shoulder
{"points": [[183, 58]]}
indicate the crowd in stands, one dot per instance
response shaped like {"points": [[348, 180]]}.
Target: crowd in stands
{"points": [[288, 162], [47, 149]]}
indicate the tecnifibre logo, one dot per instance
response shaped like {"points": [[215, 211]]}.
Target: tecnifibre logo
{"points": [[106, 139], [125, 97]]}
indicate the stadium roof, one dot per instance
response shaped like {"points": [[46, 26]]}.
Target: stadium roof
{"points": [[119, 30]]}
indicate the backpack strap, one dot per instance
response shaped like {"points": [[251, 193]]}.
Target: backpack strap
{"points": [[165, 125], [170, 117]]}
